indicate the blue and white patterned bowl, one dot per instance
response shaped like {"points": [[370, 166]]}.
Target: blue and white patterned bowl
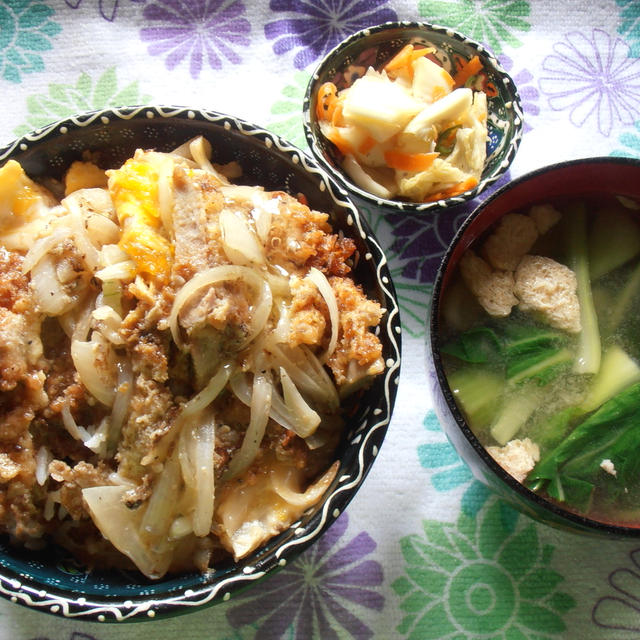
{"points": [[50, 580], [377, 45]]}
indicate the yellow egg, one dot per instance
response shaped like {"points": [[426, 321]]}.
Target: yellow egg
{"points": [[134, 191]]}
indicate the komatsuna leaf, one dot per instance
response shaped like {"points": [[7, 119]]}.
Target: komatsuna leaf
{"points": [[612, 432]]}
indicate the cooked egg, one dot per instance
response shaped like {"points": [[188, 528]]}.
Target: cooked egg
{"points": [[134, 191]]}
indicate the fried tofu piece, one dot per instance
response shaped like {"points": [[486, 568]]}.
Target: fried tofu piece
{"points": [[549, 289], [492, 288]]}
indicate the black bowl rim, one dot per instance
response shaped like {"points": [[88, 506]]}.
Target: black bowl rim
{"points": [[415, 207], [27, 590], [583, 523]]}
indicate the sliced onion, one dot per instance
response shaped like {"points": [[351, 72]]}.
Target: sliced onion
{"points": [[161, 505], [260, 407], [164, 165], [279, 412], [306, 499], [307, 373], [200, 150], [101, 230], [110, 323], [239, 241], [112, 254], [264, 208], [98, 440], [81, 238], [209, 393], [280, 333], [125, 271], [320, 280], [49, 294], [195, 453], [76, 322], [307, 419], [210, 277], [84, 360], [120, 525], [124, 391], [43, 458], [204, 461], [41, 247], [77, 433]]}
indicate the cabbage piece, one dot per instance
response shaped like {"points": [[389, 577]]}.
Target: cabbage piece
{"points": [[121, 526], [254, 511]]}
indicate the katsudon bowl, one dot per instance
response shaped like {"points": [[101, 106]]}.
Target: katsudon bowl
{"points": [[49, 579]]}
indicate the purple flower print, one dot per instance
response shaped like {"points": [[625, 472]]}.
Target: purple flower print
{"points": [[529, 94], [200, 30], [594, 78], [318, 592], [316, 26], [107, 8]]}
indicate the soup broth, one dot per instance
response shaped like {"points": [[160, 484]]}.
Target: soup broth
{"points": [[539, 339]]}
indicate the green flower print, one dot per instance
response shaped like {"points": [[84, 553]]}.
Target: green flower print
{"points": [[491, 22], [25, 31], [64, 100], [630, 141], [288, 111], [480, 578]]}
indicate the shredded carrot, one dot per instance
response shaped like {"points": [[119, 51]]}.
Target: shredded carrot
{"points": [[419, 53], [339, 141], [468, 70], [400, 60], [336, 117], [455, 190], [409, 161], [402, 63], [366, 145], [326, 101], [302, 199]]}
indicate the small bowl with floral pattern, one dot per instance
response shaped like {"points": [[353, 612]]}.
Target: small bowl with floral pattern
{"points": [[375, 47]]}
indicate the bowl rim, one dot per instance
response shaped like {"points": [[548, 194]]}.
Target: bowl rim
{"points": [[30, 591], [399, 205], [557, 513]]}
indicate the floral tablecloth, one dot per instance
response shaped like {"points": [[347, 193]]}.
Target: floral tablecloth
{"points": [[423, 551]]}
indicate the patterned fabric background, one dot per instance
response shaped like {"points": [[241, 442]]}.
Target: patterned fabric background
{"points": [[438, 556]]}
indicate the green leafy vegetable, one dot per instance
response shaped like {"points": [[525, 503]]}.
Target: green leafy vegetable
{"points": [[589, 348], [571, 471], [447, 140], [478, 391], [617, 371], [612, 227], [514, 413], [476, 346], [524, 350]]}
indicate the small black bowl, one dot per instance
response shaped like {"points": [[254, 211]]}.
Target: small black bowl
{"points": [[574, 179], [51, 581], [377, 45]]}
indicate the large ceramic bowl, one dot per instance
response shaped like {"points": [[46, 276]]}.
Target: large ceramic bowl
{"points": [[377, 45], [574, 179], [51, 581]]}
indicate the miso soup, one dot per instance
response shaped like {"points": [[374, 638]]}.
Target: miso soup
{"points": [[540, 343]]}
